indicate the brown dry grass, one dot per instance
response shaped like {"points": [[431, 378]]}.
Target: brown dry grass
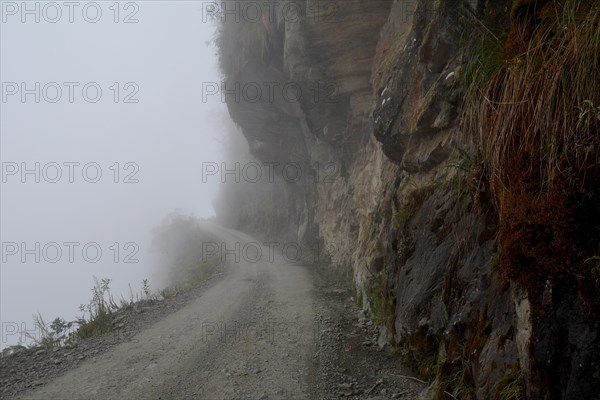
{"points": [[538, 125], [542, 101]]}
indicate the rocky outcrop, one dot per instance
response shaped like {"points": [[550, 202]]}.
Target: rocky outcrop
{"points": [[390, 183]]}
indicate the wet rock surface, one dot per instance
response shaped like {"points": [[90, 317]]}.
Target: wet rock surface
{"points": [[391, 136]]}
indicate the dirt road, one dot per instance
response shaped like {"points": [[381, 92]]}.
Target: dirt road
{"points": [[250, 335], [266, 329]]}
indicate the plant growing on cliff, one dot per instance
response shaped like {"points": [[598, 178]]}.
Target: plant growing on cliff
{"points": [[464, 169], [538, 132], [534, 109], [455, 370], [511, 386], [541, 97], [456, 381], [382, 301], [485, 63]]}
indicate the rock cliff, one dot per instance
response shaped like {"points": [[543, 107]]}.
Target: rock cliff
{"points": [[368, 111]]}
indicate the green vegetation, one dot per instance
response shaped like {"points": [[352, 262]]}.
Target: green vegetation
{"points": [[97, 314], [95, 321], [451, 372], [170, 292], [465, 170], [452, 366], [543, 95], [511, 386], [486, 62], [533, 102], [382, 301], [456, 380], [495, 264], [468, 163], [455, 376], [179, 241], [57, 334], [405, 212]]}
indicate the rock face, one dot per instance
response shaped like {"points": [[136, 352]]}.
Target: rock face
{"points": [[385, 183]]}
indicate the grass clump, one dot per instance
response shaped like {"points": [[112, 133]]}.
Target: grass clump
{"points": [[420, 352], [465, 176], [535, 111], [97, 314], [541, 99], [456, 381], [511, 386]]}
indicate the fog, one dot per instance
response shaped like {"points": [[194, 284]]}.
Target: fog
{"points": [[148, 144]]}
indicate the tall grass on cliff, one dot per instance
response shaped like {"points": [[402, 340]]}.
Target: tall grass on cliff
{"points": [[537, 121], [543, 99]]}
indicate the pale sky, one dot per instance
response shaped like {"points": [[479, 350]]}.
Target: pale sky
{"points": [[161, 141]]}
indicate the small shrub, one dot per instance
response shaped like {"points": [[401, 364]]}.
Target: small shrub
{"points": [[57, 334], [100, 324], [99, 311]]}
